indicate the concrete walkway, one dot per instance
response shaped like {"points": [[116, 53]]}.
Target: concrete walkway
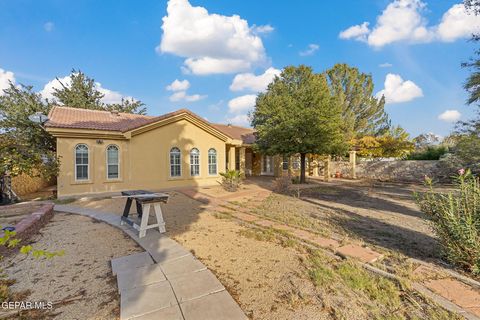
{"points": [[166, 281]]}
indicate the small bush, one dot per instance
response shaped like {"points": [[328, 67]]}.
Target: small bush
{"points": [[231, 180], [430, 153], [456, 219], [282, 184]]}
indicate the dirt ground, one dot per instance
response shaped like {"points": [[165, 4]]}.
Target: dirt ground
{"points": [[276, 279], [83, 272]]}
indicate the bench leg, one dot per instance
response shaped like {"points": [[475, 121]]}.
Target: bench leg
{"points": [[144, 222], [159, 215]]}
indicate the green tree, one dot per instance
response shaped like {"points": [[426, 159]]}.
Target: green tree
{"points": [[363, 113], [25, 147], [396, 143], [81, 92], [297, 114], [127, 106]]}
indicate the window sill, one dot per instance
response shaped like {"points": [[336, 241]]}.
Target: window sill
{"points": [[113, 181], [79, 182]]}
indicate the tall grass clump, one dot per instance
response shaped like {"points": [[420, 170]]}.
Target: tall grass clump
{"points": [[455, 219]]}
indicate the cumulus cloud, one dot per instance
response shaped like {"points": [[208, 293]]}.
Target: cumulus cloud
{"points": [[457, 23], [249, 81], [5, 78], [450, 116], [311, 49], [178, 85], [239, 120], [242, 104], [263, 29], [211, 43], [183, 96], [358, 32], [402, 20], [398, 90], [49, 26], [110, 96]]}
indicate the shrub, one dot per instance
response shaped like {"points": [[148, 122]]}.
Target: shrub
{"points": [[455, 219], [282, 184], [231, 180], [430, 153]]}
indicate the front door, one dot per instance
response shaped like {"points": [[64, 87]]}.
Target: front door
{"points": [[267, 165]]}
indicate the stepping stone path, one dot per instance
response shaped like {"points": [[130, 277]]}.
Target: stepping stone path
{"points": [[463, 298], [166, 281]]}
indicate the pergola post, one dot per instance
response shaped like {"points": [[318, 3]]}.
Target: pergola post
{"points": [[353, 163], [326, 170], [231, 158], [242, 161]]}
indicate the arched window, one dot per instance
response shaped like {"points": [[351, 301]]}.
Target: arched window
{"points": [[81, 162], [194, 162], [175, 162], [113, 163], [212, 162]]}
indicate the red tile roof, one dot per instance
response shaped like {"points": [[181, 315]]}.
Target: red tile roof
{"points": [[74, 118], [236, 132]]}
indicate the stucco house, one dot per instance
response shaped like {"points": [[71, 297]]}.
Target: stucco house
{"points": [[102, 151]]}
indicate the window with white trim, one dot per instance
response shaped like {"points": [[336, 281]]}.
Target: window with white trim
{"points": [[212, 161], [81, 162], [175, 162], [113, 166], [194, 162]]}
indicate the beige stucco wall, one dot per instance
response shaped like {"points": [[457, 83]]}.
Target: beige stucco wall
{"points": [[144, 160]]}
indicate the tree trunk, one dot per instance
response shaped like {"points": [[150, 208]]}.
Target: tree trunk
{"points": [[302, 168]]}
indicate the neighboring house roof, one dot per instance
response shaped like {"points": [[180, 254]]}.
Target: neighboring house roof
{"points": [[75, 118], [247, 135]]}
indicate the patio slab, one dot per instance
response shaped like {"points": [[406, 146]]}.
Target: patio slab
{"points": [[218, 306], [143, 300], [363, 254], [457, 292], [182, 266], [129, 279], [130, 262], [189, 287], [325, 242]]}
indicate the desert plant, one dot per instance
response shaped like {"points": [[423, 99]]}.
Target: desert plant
{"points": [[455, 219], [282, 184], [231, 180]]}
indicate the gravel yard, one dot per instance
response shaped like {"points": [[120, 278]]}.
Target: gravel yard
{"points": [[82, 274]]}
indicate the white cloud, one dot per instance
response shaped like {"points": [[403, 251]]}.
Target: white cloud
{"points": [[239, 120], [49, 26], [178, 85], [263, 29], [242, 103], [458, 23], [311, 49], [358, 32], [5, 78], [110, 96], [211, 43], [182, 96], [385, 65], [402, 20], [249, 81], [206, 65], [450, 116], [398, 90]]}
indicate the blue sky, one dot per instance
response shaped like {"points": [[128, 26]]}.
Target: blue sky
{"points": [[413, 50]]}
